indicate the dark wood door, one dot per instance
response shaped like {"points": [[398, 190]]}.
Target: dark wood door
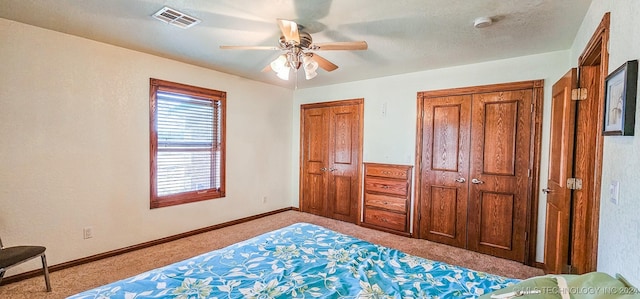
{"points": [[343, 163], [445, 169], [499, 173], [330, 159], [315, 158], [557, 233], [477, 159]]}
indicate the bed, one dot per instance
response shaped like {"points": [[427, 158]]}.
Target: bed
{"points": [[304, 261]]}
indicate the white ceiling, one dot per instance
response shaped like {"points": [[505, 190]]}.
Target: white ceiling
{"points": [[403, 35]]}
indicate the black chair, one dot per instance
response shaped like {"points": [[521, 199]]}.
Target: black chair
{"points": [[11, 256]]}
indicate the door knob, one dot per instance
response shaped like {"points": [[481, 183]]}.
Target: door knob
{"points": [[333, 169], [323, 169], [477, 181], [546, 190], [460, 180]]}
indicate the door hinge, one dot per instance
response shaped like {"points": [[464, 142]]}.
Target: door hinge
{"points": [[574, 184], [526, 236], [528, 173], [579, 94]]}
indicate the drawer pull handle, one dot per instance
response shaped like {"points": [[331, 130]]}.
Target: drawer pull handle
{"points": [[385, 203], [385, 187]]}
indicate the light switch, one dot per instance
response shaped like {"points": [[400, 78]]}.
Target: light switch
{"points": [[614, 192]]}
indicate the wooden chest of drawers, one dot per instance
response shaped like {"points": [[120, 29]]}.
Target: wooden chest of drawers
{"points": [[387, 193]]}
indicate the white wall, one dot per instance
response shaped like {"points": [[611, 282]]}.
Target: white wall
{"points": [[391, 138], [619, 235], [74, 145]]}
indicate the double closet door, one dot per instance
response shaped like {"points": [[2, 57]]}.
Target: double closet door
{"points": [[475, 168], [331, 147]]}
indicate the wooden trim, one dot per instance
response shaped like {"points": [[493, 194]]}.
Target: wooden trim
{"points": [[592, 52], [534, 163], [536, 139], [349, 102], [594, 65], [96, 257], [482, 89], [360, 162], [539, 265], [417, 182], [156, 85], [359, 101]]}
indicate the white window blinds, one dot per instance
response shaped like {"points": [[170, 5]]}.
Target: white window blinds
{"points": [[188, 150]]}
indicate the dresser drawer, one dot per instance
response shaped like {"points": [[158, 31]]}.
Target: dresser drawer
{"points": [[387, 171], [386, 186], [385, 219], [386, 202]]}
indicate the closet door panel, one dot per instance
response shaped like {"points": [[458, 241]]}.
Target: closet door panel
{"points": [[342, 200], [443, 216], [344, 138], [496, 221], [445, 167], [314, 159], [500, 138], [500, 155]]}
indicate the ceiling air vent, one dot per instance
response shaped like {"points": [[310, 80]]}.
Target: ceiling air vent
{"points": [[176, 18]]}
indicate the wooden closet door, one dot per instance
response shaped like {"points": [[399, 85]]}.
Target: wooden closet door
{"points": [[445, 169], [343, 178], [499, 174], [331, 150], [314, 147]]}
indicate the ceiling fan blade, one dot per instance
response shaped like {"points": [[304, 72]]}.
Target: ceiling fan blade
{"points": [[289, 30], [323, 63], [362, 45], [249, 48]]}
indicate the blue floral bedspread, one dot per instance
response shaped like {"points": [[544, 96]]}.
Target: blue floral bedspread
{"points": [[304, 261]]}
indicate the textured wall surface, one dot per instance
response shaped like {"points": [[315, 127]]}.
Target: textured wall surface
{"points": [[619, 235], [74, 145]]}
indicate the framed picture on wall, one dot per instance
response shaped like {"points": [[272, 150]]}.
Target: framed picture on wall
{"points": [[620, 100]]}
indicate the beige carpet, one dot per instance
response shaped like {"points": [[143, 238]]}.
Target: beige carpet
{"points": [[77, 279]]}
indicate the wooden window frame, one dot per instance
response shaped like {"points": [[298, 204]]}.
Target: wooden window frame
{"points": [[155, 86]]}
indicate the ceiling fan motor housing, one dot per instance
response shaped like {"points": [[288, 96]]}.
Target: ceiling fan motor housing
{"points": [[305, 39]]}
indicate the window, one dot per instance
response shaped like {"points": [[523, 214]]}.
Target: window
{"points": [[187, 143]]}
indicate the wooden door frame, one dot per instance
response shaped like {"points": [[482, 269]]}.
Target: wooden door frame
{"points": [[360, 103], [593, 66], [534, 162]]}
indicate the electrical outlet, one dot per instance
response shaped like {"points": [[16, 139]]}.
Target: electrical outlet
{"points": [[87, 232]]}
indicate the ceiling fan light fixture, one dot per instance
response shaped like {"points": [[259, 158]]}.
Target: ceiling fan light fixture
{"points": [[310, 67], [280, 66], [279, 63], [284, 73], [310, 75]]}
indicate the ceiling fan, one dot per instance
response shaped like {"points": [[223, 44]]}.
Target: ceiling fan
{"points": [[299, 50]]}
